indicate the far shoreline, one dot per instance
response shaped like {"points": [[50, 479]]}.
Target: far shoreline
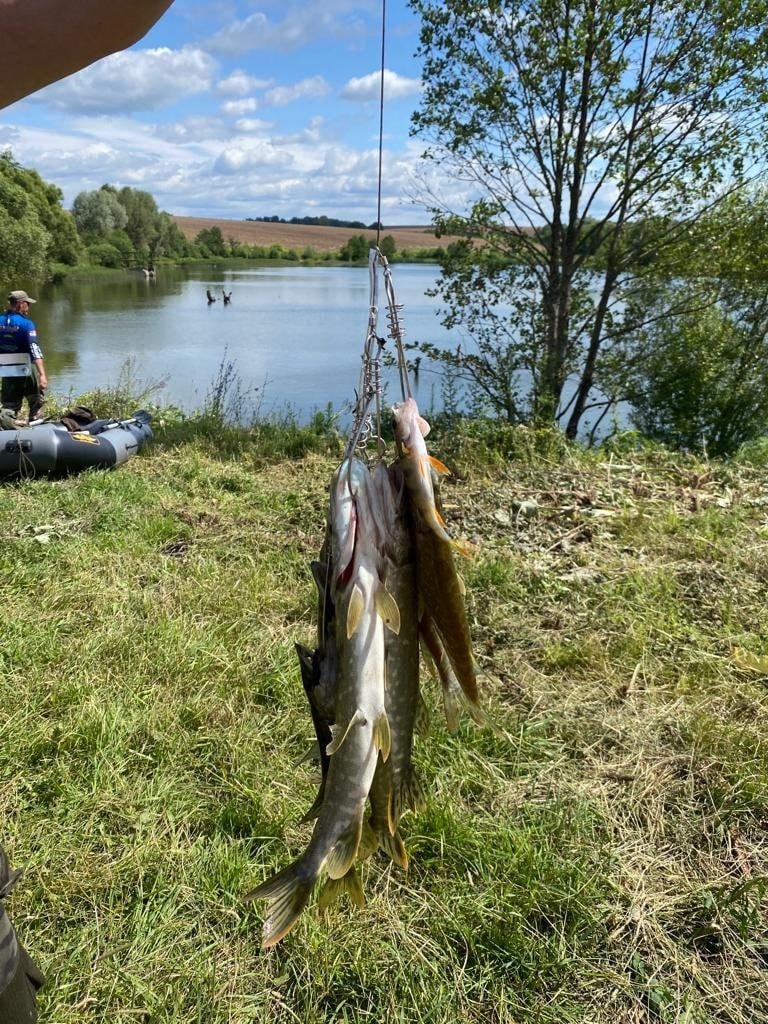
{"points": [[310, 236]]}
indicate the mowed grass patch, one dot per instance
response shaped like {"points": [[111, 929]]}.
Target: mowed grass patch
{"points": [[597, 855]]}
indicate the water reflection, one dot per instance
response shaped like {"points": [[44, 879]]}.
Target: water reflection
{"points": [[295, 334]]}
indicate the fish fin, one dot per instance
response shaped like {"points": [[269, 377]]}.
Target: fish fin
{"points": [[421, 721], [288, 893], [319, 575], [312, 754], [394, 848], [461, 585], [306, 659], [382, 737], [339, 734], [369, 842], [314, 810], [424, 427], [334, 888], [466, 550], [354, 610], [342, 856], [386, 608], [439, 466]]}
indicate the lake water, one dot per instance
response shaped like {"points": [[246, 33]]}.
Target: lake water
{"points": [[294, 334]]}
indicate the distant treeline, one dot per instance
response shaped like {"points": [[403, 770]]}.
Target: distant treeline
{"points": [[319, 222]]}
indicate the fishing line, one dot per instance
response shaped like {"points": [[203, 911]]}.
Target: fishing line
{"points": [[381, 118], [369, 393]]}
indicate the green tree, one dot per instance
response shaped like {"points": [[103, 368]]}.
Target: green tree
{"points": [[356, 248], [171, 240], [98, 213], [388, 246], [212, 240], [572, 121], [696, 373], [142, 223], [24, 241], [44, 210]]}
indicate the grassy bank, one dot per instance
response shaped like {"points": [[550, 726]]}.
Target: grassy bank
{"points": [[605, 861]]}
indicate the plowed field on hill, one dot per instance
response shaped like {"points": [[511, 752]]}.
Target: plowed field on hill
{"points": [[301, 236]]}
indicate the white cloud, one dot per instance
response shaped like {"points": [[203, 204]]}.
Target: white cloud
{"points": [[191, 130], [132, 81], [369, 87], [282, 95], [242, 158], [236, 108], [249, 125], [303, 25], [240, 83]]}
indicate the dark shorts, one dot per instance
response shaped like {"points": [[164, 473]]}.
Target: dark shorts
{"points": [[15, 389], [18, 1002]]}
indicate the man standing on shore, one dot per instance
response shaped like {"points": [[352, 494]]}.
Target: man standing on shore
{"points": [[68, 35], [18, 334]]}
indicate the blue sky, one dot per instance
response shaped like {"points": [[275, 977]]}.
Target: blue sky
{"points": [[242, 108]]}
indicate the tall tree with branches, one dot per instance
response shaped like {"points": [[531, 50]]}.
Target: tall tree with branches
{"points": [[572, 123]]}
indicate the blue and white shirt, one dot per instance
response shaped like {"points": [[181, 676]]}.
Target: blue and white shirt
{"points": [[18, 334]]}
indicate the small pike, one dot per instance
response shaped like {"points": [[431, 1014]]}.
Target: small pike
{"points": [[417, 464], [441, 594], [402, 649]]}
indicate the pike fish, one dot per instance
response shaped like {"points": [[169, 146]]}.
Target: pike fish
{"points": [[441, 591], [360, 730], [417, 464], [402, 649], [444, 617]]}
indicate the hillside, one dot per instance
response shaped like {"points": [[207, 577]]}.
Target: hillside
{"points": [[302, 236]]}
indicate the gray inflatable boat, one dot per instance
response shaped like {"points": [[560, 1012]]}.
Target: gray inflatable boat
{"points": [[49, 449]]}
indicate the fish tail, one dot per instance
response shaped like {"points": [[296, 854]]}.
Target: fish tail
{"points": [[342, 856], [421, 721], [448, 681], [409, 792], [452, 708], [394, 848], [476, 713], [334, 888], [288, 893], [414, 793]]}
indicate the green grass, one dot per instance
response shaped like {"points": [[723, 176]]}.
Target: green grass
{"points": [[600, 857]]}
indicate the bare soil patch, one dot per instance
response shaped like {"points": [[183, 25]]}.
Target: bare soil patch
{"points": [[302, 236]]}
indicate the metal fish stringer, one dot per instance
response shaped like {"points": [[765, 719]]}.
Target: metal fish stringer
{"points": [[366, 425]]}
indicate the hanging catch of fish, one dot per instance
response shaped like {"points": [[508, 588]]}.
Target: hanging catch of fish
{"points": [[387, 588]]}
